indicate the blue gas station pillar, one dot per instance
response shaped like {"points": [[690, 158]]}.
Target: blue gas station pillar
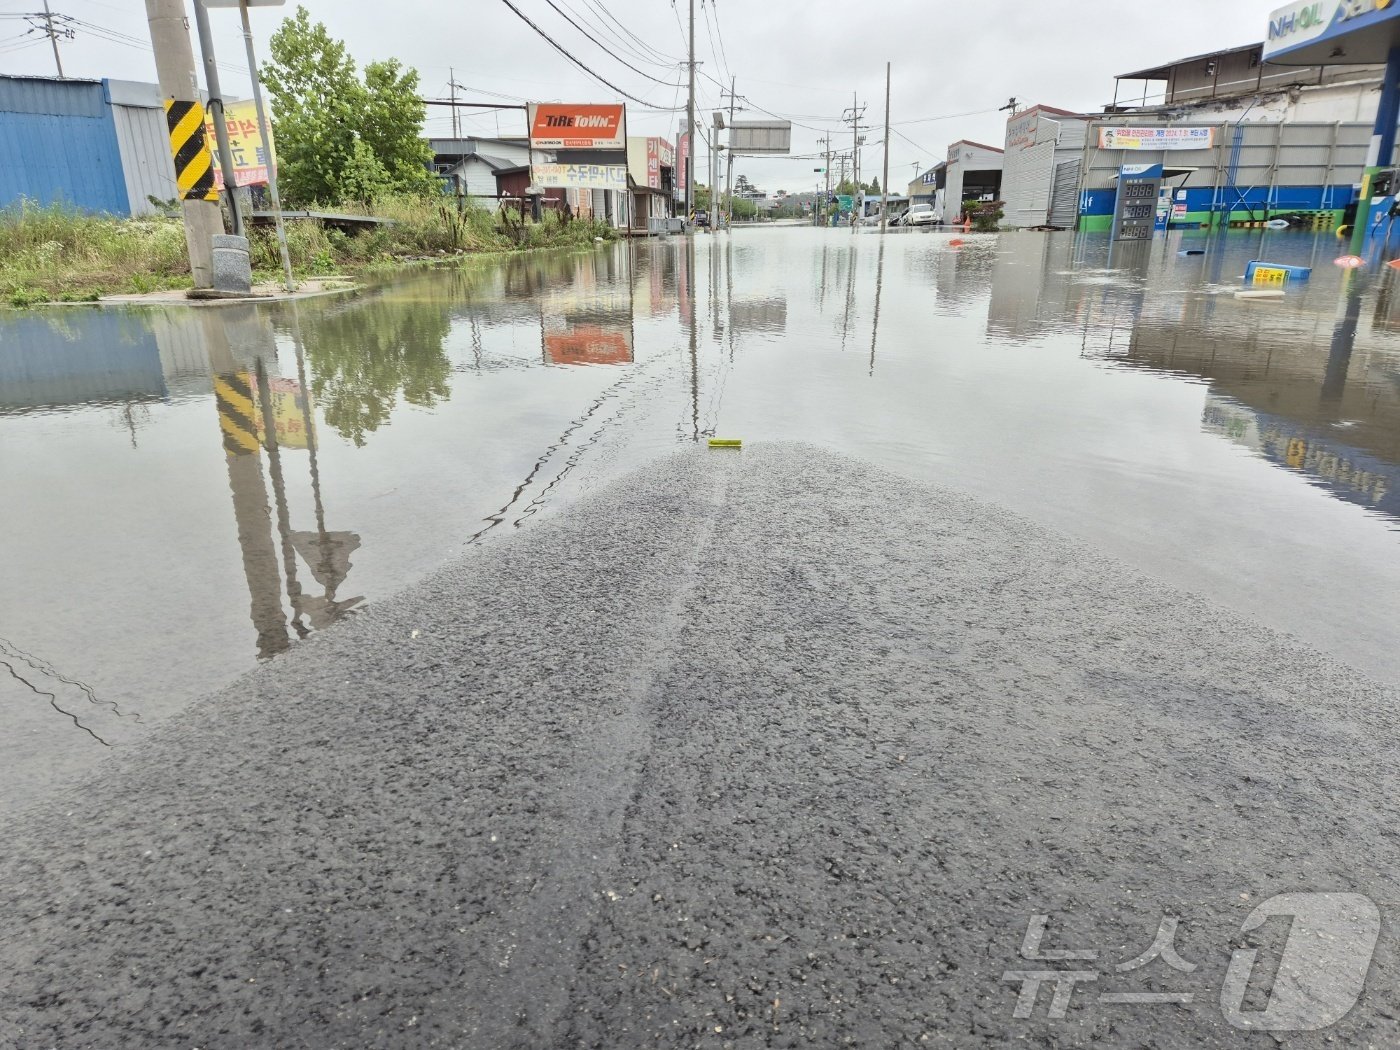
{"points": [[1382, 151]]}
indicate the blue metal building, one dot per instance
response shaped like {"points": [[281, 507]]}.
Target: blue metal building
{"points": [[59, 144], [97, 145]]}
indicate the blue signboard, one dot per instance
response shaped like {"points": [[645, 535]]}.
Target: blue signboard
{"points": [[1369, 26]]}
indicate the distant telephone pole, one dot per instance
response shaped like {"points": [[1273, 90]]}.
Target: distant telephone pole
{"points": [[690, 124], [729, 165], [885, 181]]}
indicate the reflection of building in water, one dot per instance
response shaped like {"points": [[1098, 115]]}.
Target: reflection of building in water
{"points": [[1032, 288], [81, 358], [1310, 391], [589, 320], [758, 315], [1351, 474]]}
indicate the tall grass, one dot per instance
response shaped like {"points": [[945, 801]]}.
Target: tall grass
{"points": [[54, 252]]}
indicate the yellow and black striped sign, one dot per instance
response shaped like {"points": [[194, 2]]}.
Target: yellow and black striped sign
{"points": [[194, 164], [238, 414]]}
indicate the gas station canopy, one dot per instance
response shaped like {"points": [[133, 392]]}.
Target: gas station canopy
{"points": [[1333, 32]]}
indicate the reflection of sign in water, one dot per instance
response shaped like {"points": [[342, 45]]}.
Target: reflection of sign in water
{"points": [[580, 176], [290, 422], [245, 141], [1156, 138], [758, 315], [587, 345], [1348, 473]]}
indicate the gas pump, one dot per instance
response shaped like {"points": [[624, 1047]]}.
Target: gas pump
{"points": [[1381, 209], [1135, 211]]}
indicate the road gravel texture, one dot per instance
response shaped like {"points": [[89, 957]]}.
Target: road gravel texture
{"points": [[750, 749]]}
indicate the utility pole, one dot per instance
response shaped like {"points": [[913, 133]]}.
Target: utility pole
{"points": [[175, 69], [452, 89], [885, 179], [729, 170], [216, 114], [856, 112], [690, 124], [855, 141], [53, 38]]}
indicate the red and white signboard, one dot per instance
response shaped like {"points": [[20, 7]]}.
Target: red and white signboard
{"points": [[569, 125]]}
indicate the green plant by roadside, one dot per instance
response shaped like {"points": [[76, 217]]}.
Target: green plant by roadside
{"points": [[986, 216], [57, 254]]}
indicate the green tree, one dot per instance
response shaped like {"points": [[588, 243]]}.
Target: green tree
{"points": [[392, 125], [874, 187], [321, 112], [365, 179]]}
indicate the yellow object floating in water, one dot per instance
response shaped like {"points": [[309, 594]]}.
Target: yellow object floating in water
{"points": [[726, 443]]}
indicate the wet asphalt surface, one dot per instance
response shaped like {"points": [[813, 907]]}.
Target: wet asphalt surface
{"points": [[759, 749]]}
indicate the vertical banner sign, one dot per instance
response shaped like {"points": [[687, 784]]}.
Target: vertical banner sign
{"points": [[248, 142], [682, 165], [194, 164], [654, 163]]}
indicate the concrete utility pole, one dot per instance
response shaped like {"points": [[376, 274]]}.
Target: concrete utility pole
{"points": [[855, 142], [885, 180], [729, 168], [216, 114], [690, 124], [175, 69], [53, 38], [452, 88]]}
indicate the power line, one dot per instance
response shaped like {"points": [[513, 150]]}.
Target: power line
{"points": [[665, 60], [606, 50], [723, 54], [565, 52]]}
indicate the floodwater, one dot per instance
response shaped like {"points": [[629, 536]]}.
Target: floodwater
{"points": [[186, 491]]}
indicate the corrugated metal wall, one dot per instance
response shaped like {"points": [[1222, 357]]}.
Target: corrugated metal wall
{"points": [[59, 143], [1026, 175], [138, 114], [1270, 155]]}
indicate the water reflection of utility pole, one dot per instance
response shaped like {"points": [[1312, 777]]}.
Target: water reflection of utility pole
{"points": [[850, 292], [233, 395], [729, 290], [821, 295], [326, 551], [631, 247], [1334, 379], [694, 348], [714, 292], [279, 495], [879, 284]]}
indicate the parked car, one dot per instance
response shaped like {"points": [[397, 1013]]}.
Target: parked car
{"points": [[922, 215]]}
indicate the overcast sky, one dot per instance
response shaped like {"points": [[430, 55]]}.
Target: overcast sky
{"points": [[954, 64]]}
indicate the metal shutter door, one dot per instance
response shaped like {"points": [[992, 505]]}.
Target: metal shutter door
{"points": [[1064, 198]]}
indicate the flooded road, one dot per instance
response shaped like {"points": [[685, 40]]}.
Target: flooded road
{"points": [[188, 491]]}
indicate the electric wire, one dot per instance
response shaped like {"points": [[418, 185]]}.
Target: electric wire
{"points": [[576, 61], [605, 49]]}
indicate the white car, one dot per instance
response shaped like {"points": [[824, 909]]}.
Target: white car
{"points": [[921, 215]]}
